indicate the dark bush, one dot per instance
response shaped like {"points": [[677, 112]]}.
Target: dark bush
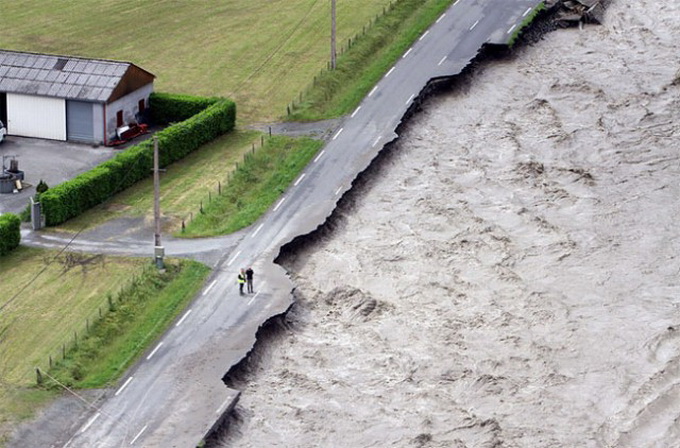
{"points": [[10, 233], [41, 187], [93, 187]]}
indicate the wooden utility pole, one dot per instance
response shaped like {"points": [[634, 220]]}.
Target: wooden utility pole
{"points": [[333, 52], [159, 251]]}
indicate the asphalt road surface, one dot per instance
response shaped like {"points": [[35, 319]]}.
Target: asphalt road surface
{"points": [[175, 394]]}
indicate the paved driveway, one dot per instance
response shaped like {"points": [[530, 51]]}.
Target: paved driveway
{"points": [[52, 161]]}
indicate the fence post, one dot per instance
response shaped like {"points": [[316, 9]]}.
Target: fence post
{"points": [[219, 187], [50, 362], [183, 226], [201, 207], [38, 375], [75, 337], [63, 351], [270, 131], [262, 139]]}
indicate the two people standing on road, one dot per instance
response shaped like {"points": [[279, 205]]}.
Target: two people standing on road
{"points": [[245, 276]]}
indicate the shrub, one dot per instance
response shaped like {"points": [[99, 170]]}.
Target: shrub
{"points": [[93, 187], [41, 187], [168, 107], [10, 233]]}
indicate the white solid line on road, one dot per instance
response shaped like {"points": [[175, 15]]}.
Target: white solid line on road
{"points": [[512, 28], [338, 133], [279, 204], [300, 179], [257, 230], [440, 18], [373, 91], [154, 351], [442, 61], [209, 287], [410, 98], [182, 319], [355, 111], [235, 257], [139, 434], [123, 386], [319, 156], [376, 142], [407, 53], [337, 192], [390, 72], [474, 25], [423, 36], [526, 12], [222, 406], [85, 428]]}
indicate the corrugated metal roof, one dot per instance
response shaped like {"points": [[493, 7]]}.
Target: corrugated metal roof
{"points": [[40, 74]]}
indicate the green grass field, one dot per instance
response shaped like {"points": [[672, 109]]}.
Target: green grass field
{"points": [[44, 317], [183, 186], [261, 53], [255, 186]]}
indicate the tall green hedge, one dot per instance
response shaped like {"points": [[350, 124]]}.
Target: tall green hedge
{"points": [[10, 233], [93, 187], [169, 107]]}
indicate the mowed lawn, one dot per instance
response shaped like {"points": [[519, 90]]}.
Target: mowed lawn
{"points": [[261, 53], [45, 315], [183, 186]]}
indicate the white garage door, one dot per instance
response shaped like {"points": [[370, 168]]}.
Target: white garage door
{"points": [[36, 116]]}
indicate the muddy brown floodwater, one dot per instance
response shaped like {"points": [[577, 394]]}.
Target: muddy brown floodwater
{"points": [[509, 274]]}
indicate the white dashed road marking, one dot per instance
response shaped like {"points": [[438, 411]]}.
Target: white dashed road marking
{"points": [[139, 434], [235, 257], [125, 384], [209, 287], [279, 204], [154, 351], [183, 317]]}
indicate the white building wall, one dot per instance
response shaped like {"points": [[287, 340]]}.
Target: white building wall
{"points": [[98, 122], [129, 104], [36, 116]]}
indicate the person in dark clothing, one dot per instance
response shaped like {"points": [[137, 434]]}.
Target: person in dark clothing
{"points": [[241, 281], [249, 278]]}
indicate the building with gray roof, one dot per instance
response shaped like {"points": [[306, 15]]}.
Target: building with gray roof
{"points": [[70, 98]]}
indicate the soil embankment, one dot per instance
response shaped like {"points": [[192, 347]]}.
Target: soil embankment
{"points": [[509, 274]]}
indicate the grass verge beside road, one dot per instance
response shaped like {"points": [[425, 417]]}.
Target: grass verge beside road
{"points": [[183, 186], [337, 92], [526, 22], [69, 293], [135, 317], [255, 186]]}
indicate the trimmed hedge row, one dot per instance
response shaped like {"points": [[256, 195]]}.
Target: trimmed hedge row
{"points": [[10, 233], [168, 108], [93, 187]]}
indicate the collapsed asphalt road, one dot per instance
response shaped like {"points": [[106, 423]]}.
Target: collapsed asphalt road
{"points": [[175, 395]]}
